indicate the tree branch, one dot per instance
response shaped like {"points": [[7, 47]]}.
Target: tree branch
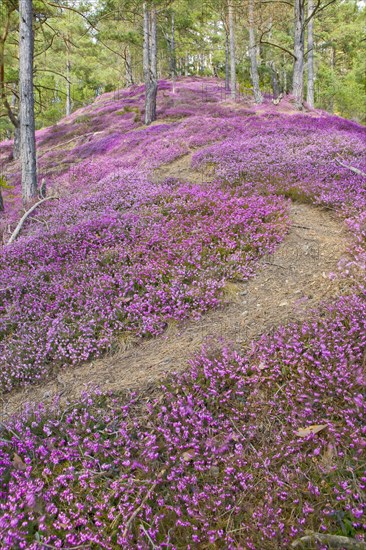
{"points": [[23, 219], [277, 46], [352, 168]]}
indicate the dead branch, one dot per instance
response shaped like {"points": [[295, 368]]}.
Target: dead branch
{"points": [[332, 541], [69, 141], [146, 497], [277, 100], [26, 215], [352, 168]]}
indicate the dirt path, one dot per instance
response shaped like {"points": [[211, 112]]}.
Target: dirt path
{"points": [[290, 282]]}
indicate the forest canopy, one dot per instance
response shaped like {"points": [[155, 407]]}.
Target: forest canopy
{"points": [[86, 48]]}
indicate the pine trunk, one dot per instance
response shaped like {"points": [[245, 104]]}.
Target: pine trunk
{"points": [[274, 79], [232, 52], [298, 75], [227, 62], [310, 88], [150, 64], [27, 125], [16, 145], [173, 61], [253, 56], [68, 86], [128, 68]]}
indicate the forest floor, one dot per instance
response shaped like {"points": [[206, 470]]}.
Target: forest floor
{"points": [[225, 243], [291, 283]]}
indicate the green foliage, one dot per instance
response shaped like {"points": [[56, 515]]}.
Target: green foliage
{"points": [[4, 184], [93, 44]]}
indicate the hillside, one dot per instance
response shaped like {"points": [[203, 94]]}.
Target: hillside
{"points": [[225, 243]]}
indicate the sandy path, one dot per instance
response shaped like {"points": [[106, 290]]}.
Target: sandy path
{"points": [[290, 282]]}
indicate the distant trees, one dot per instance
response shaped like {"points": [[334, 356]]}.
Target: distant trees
{"points": [[7, 25], [310, 47]]}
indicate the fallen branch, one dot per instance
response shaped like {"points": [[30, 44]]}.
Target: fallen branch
{"points": [[352, 168], [40, 221], [146, 497], [26, 215], [70, 141], [277, 100], [332, 541]]}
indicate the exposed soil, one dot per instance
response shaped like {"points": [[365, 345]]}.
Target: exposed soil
{"points": [[292, 281]]}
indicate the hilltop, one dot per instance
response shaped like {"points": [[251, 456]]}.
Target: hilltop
{"points": [[225, 223]]}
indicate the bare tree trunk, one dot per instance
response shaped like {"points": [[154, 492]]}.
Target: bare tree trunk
{"points": [[173, 60], [227, 62], [284, 81], [186, 66], [253, 56], [16, 145], [27, 125], [310, 88], [232, 51], [274, 79], [128, 68], [150, 63], [298, 76], [1, 202], [68, 85]]}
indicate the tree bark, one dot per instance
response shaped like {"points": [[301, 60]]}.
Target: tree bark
{"points": [[27, 125], [150, 63], [274, 79], [128, 68], [173, 60], [232, 51], [298, 75], [1, 202], [186, 66], [253, 56], [310, 87], [68, 86], [16, 145], [227, 61]]}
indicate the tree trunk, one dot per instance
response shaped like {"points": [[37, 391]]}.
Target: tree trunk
{"points": [[150, 64], [232, 52], [68, 86], [173, 60], [298, 76], [1, 202], [227, 62], [27, 126], [253, 56], [274, 79], [128, 68], [284, 81], [16, 145], [310, 88]]}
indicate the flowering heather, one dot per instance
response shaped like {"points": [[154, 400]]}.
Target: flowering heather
{"points": [[221, 457], [248, 449], [127, 258]]}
